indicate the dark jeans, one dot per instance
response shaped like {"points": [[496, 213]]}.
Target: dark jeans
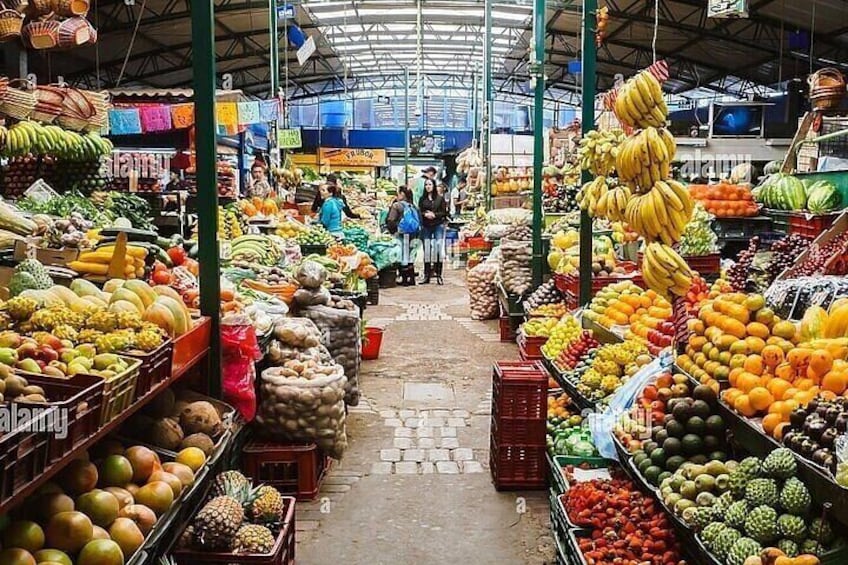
{"points": [[433, 239]]}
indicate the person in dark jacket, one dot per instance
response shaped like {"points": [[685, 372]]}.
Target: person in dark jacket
{"points": [[434, 215], [395, 215], [333, 180]]}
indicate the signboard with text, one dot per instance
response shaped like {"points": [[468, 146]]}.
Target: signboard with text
{"points": [[352, 157], [289, 139], [727, 9]]}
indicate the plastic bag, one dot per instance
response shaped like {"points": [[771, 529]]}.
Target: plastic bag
{"points": [[298, 332], [482, 292], [311, 275], [239, 351], [341, 335], [601, 424], [305, 402], [515, 266]]}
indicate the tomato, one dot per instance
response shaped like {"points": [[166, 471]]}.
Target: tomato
{"points": [[192, 266], [177, 255], [161, 277]]}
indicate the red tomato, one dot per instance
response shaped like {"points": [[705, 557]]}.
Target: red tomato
{"points": [[177, 255], [161, 277]]}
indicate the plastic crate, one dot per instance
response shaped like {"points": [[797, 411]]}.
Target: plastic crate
{"points": [[155, 367], [313, 249], [372, 286], [358, 298], [23, 457], [559, 462], [119, 392], [508, 327], [293, 469], [521, 395], [80, 397], [518, 467], [811, 225], [530, 347], [521, 431], [191, 346], [281, 554], [475, 244], [569, 285], [742, 228], [388, 277]]}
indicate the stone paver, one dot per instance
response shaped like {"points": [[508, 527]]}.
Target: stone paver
{"points": [[390, 455], [456, 422], [428, 468], [424, 432], [426, 443], [447, 467], [383, 468], [448, 443], [412, 422], [403, 442], [394, 422], [472, 467], [433, 422], [413, 455], [403, 432], [463, 454], [460, 413], [441, 413], [406, 468], [447, 432], [406, 414], [387, 414], [438, 455]]}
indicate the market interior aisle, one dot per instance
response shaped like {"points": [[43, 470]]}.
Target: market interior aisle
{"points": [[414, 486]]}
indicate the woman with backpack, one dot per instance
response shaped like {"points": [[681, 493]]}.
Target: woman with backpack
{"points": [[434, 216], [404, 222]]}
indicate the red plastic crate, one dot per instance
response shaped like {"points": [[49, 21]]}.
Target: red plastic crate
{"points": [[570, 284], [281, 554], [518, 431], [811, 225], [530, 347], [155, 367], [189, 347], [518, 467], [295, 469], [23, 458], [508, 332], [507, 368], [475, 244], [703, 264], [520, 395]]}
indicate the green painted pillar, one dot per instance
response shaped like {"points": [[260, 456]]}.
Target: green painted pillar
{"points": [[538, 73], [589, 74], [203, 49], [488, 96], [406, 128], [273, 33]]}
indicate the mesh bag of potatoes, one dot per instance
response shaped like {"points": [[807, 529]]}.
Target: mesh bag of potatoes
{"points": [[483, 294], [304, 401], [342, 336]]}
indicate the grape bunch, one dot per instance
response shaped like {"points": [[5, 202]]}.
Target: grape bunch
{"points": [[819, 255], [737, 275], [784, 252]]}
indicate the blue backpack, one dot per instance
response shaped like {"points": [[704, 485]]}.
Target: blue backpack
{"points": [[410, 223]]}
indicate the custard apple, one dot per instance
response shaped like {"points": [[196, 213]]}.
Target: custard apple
{"points": [[812, 547], [794, 497], [704, 516], [711, 532], [761, 524], [761, 492], [789, 547], [736, 514], [780, 464], [750, 468], [724, 541], [742, 550], [821, 530], [792, 527], [724, 501]]}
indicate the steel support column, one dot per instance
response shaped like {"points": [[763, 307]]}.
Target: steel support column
{"points": [[406, 127], [588, 75], [538, 73], [203, 46], [487, 109], [275, 47]]}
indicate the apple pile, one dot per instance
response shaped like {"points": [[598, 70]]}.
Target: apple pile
{"points": [[578, 351], [48, 355]]}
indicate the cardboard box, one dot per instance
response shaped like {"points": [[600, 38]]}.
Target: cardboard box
{"points": [[46, 256]]}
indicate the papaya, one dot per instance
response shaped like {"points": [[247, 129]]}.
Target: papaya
{"points": [[163, 290], [129, 296], [182, 323], [813, 323], [95, 300], [159, 314], [83, 288], [123, 306], [143, 290], [836, 304], [113, 284]]}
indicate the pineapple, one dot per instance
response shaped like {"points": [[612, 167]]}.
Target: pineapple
{"points": [[147, 340], [102, 321], [65, 331], [229, 478], [218, 521], [20, 308], [268, 505], [129, 321], [88, 336], [253, 539]]}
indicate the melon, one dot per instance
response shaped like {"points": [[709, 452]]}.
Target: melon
{"points": [[142, 290], [163, 290], [113, 284], [182, 321], [813, 323], [129, 296], [162, 316], [95, 300], [83, 288], [63, 293]]}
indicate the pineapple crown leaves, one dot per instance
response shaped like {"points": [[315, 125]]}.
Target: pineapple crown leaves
{"points": [[167, 560]]}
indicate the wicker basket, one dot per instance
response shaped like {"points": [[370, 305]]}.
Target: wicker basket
{"points": [[11, 23], [38, 8], [18, 103], [71, 8], [74, 32], [49, 101], [100, 102], [17, 5], [42, 34]]}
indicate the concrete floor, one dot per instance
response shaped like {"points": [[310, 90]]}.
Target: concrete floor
{"points": [[376, 510]]}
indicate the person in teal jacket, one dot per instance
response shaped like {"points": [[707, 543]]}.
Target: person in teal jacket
{"points": [[332, 210]]}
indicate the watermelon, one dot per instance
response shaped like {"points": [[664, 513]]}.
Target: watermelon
{"points": [[823, 197], [784, 192]]}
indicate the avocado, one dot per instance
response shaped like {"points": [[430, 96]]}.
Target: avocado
{"points": [[672, 446], [699, 459], [700, 408], [639, 456], [696, 425], [692, 444], [718, 456], [643, 466], [674, 462], [681, 411], [652, 474], [649, 446], [705, 393], [660, 435], [658, 457], [675, 429], [711, 443], [715, 425]]}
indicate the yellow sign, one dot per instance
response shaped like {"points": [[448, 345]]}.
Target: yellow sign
{"points": [[352, 157], [289, 139]]}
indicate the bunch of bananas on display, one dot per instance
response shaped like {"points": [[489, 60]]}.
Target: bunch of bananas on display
{"points": [[640, 102], [255, 249], [613, 204], [599, 149], [663, 268], [662, 212], [229, 226], [32, 138], [591, 193], [645, 158]]}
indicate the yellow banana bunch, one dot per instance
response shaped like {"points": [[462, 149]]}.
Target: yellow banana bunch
{"points": [[640, 102], [613, 204], [662, 213], [646, 158], [665, 271], [598, 150], [591, 193]]}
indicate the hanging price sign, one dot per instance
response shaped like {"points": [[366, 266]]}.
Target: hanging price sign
{"points": [[727, 9], [289, 139]]}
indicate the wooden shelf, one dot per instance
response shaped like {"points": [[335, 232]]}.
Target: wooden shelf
{"points": [[53, 468]]}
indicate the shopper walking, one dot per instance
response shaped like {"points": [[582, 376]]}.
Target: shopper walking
{"points": [[434, 214], [333, 180], [332, 210], [404, 222]]}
